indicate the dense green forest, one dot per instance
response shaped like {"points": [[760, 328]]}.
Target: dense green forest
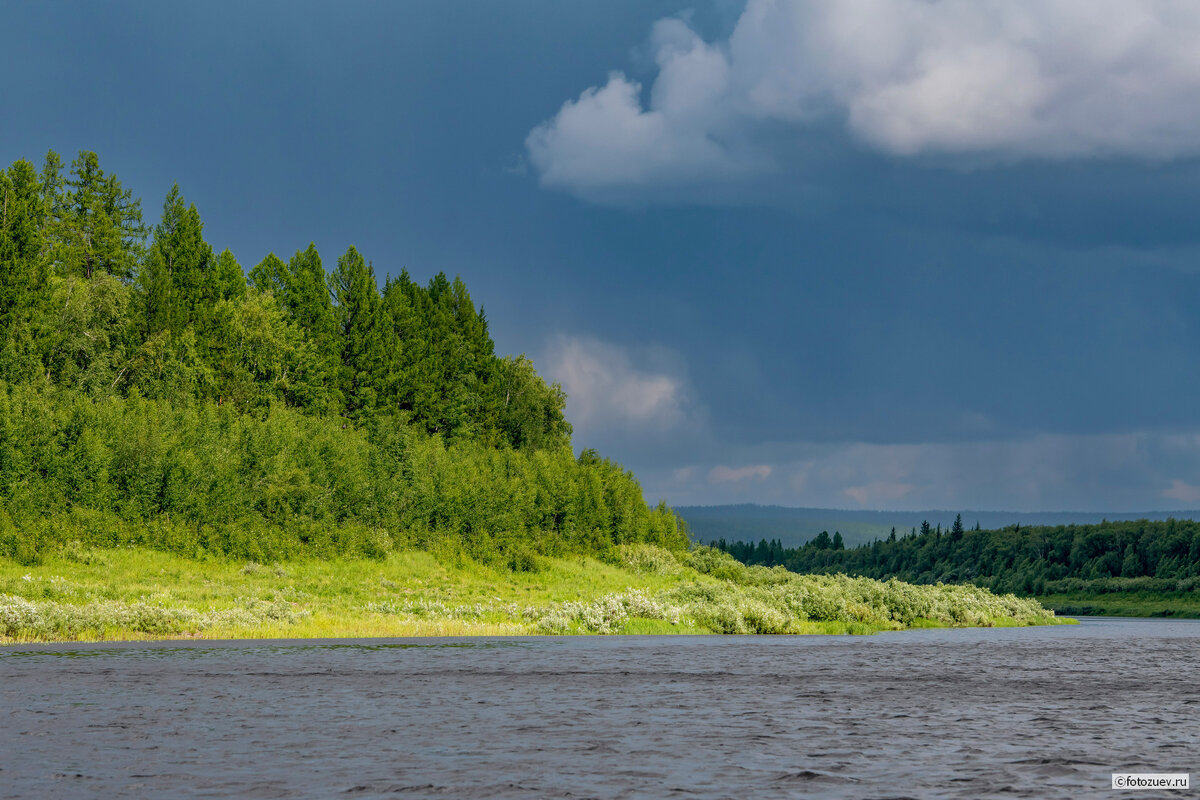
{"points": [[1141, 555], [793, 526], [152, 392]]}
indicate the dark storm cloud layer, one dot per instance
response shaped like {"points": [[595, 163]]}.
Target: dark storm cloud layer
{"points": [[986, 261], [788, 270]]}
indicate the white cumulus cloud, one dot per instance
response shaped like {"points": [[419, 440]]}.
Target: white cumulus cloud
{"points": [[608, 392], [606, 139], [997, 78]]}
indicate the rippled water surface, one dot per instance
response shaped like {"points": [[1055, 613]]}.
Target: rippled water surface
{"points": [[1030, 712]]}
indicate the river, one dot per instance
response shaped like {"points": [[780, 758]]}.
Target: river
{"points": [[971, 713]]}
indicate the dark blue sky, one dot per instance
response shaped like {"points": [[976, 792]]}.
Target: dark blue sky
{"points": [[805, 254]]}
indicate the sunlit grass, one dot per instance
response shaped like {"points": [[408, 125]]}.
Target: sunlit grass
{"points": [[1126, 604], [131, 593]]}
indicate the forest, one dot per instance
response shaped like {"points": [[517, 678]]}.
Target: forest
{"points": [[1141, 555], [153, 392]]}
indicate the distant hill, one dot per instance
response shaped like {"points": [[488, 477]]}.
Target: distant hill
{"points": [[795, 526]]}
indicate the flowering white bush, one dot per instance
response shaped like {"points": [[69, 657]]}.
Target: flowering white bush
{"points": [[607, 614], [435, 609], [21, 618], [648, 559]]}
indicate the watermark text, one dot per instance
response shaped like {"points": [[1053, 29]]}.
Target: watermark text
{"points": [[1150, 780]]}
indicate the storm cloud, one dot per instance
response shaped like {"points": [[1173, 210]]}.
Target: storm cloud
{"points": [[987, 81]]}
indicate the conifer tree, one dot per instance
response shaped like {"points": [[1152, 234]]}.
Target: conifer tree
{"points": [[96, 223], [174, 278], [956, 532], [227, 281], [451, 376], [404, 341], [363, 326], [22, 215], [53, 188], [271, 275], [22, 269], [409, 311], [306, 293]]}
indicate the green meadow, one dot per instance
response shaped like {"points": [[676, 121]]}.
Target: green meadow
{"points": [[89, 594]]}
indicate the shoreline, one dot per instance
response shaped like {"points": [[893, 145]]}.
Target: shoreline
{"points": [[437, 640], [134, 594], [385, 639], [417, 639]]}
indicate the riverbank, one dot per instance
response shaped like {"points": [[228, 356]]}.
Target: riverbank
{"points": [[85, 594], [1124, 604]]}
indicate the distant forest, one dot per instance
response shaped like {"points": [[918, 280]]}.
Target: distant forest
{"points": [[795, 526], [1116, 556], [153, 392]]}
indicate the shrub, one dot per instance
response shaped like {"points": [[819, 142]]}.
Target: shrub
{"points": [[647, 559], [710, 561], [47, 619]]}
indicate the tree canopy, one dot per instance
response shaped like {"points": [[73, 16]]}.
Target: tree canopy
{"points": [[145, 375]]}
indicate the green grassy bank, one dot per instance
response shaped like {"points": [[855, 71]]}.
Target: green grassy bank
{"points": [[1125, 604], [81, 593]]}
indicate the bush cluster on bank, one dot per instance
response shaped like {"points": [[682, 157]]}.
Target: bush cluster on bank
{"points": [[775, 601], [49, 619]]}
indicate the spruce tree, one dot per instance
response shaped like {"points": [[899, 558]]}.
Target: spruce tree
{"points": [[362, 324], [174, 279], [405, 341], [22, 216], [96, 223], [307, 295], [956, 532], [22, 270], [301, 289]]}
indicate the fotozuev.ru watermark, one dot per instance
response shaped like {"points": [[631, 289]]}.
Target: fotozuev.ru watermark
{"points": [[1150, 780]]}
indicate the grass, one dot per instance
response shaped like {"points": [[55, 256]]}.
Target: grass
{"points": [[1124, 604], [84, 594]]}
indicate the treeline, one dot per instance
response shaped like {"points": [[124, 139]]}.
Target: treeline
{"points": [[1028, 560], [772, 553], [87, 302], [146, 378]]}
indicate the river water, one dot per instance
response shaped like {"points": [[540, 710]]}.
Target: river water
{"points": [[1027, 712]]}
